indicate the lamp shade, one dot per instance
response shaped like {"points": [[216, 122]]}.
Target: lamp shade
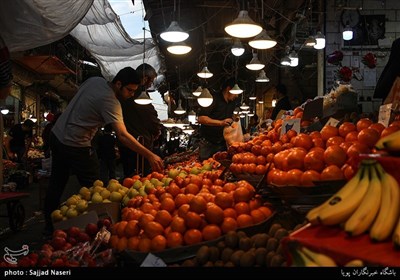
{"points": [[244, 106], [179, 48], [237, 48], [174, 33], [197, 92], [179, 110], [192, 117], [236, 111], [236, 89], [310, 42], [5, 111], [252, 97], [143, 99], [320, 39], [205, 73], [205, 99], [285, 61], [255, 64], [262, 77], [262, 41], [294, 59], [243, 26], [347, 33]]}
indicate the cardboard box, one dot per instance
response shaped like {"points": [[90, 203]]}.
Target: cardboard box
{"points": [[79, 221], [110, 209]]}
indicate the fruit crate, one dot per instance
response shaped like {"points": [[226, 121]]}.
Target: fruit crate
{"points": [[174, 255]]}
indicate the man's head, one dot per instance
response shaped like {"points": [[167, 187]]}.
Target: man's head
{"points": [[126, 82], [147, 74], [27, 125], [281, 90], [226, 87]]}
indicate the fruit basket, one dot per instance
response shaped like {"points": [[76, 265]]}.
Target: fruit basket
{"points": [[173, 255]]}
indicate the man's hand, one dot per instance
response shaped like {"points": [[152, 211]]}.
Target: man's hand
{"points": [[226, 122], [156, 163], [11, 155]]}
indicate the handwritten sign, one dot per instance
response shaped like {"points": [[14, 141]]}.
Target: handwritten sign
{"points": [[293, 124], [332, 122], [385, 112], [153, 261]]}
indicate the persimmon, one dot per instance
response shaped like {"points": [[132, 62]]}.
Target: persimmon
{"points": [[242, 208], [214, 214], [303, 140], [152, 229], [295, 159], [260, 169], [178, 224], [192, 220], [122, 243], [378, 127], [158, 243], [192, 236], [192, 188], [230, 212], [334, 155], [329, 131], [318, 142], [389, 130], [174, 239], [346, 128], [132, 228], [244, 220], [293, 177], [173, 189], [241, 194], [258, 216], [163, 217], [144, 245], [309, 177], [133, 243], [334, 140], [363, 123], [228, 224], [314, 160], [266, 210], [368, 137], [224, 200], [227, 187], [255, 203], [332, 172], [315, 134], [211, 232], [120, 229], [183, 210], [180, 199], [168, 204], [352, 136], [198, 204], [357, 149]]}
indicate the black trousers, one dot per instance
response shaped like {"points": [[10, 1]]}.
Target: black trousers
{"points": [[208, 149], [107, 170], [67, 160], [129, 162]]}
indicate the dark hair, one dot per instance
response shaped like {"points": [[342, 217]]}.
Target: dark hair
{"points": [[281, 88], [127, 76], [228, 83], [29, 123], [146, 70]]}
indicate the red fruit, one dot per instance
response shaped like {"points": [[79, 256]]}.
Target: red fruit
{"points": [[47, 247], [24, 262], [91, 229], [43, 262], [59, 233], [83, 237], [46, 253], [72, 240], [74, 231], [67, 246], [107, 223], [58, 242], [58, 263]]}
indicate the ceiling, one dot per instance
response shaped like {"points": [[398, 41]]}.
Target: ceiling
{"points": [[289, 22]]}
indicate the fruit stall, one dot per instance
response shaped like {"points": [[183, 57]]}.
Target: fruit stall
{"points": [[299, 198]]}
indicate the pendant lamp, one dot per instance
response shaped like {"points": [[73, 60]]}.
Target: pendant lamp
{"points": [[255, 64], [205, 99], [243, 26]]}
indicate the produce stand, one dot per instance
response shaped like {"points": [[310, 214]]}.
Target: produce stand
{"points": [[15, 209], [334, 242]]}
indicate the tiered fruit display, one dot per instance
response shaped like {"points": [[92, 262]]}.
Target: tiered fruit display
{"points": [[301, 159], [370, 201], [187, 212]]}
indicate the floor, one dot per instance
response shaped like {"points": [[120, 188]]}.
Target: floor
{"points": [[31, 232]]}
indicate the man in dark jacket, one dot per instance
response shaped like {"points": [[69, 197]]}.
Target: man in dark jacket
{"points": [[282, 103]]}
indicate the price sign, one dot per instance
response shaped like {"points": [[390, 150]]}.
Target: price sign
{"points": [[332, 122], [293, 124], [153, 261], [385, 112]]}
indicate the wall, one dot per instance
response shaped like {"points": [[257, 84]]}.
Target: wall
{"points": [[364, 85]]}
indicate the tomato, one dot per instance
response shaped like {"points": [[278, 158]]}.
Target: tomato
{"points": [[332, 172], [334, 140], [314, 160], [368, 136], [309, 177], [363, 123], [328, 131], [345, 128], [304, 141], [334, 155]]}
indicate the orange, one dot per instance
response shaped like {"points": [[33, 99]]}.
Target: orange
{"points": [[132, 228], [192, 236], [332, 172], [158, 243], [178, 224], [242, 208], [152, 229], [174, 239], [168, 204], [193, 220], [133, 243], [335, 155], [163, 217], [214, 214], [198, 204], [228, 224], [244, 220], [144, 244], [211, 232], [223, 200]]}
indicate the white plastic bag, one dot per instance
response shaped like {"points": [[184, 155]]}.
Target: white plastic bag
{"points": [[233, 133]]}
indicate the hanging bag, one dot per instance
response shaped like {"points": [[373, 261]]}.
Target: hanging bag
{"points": [[233, 133]]}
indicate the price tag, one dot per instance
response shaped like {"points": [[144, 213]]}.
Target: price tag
{"points": [[332, 122], [293, 124], [153, 261], [385, 112]]}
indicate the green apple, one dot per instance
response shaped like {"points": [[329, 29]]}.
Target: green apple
{"points": [[167, 181], [132, 193], [142, 191], [97, 198], [137, 184], [172, 173], [71, 213], [116, 196], [207, 167], [195, 170], [125, 200]]}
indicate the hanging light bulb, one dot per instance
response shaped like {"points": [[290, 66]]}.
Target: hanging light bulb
{"points": [[33, 118], [255, 64], [143, 98], [285, 61], [273, 103], [236, 89], [179, 110], [168, 123], [244, 106], [251, 113], [205, 73], [243, 26], [174, 33], [320, 39], [294, 59], [242, 115], [252, 97], [261, 101], [262, 41], [262, 77], [188, 129], [197, 92], [347, 33], [5, 111], [192, 117], [237, 48], [179, 48], [236, 111], [310, 42], [205, 99]]}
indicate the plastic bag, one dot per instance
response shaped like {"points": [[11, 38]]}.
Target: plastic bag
{"points": [[233, 133]]}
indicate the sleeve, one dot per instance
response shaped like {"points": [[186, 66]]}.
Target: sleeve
{"points": [[112, 111]]}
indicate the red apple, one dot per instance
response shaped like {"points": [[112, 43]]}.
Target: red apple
{"points": [[46, 253], [58, 263], [74, 231], [44, 262], [58, 242], [72, 240], [47, 246], [59, 233], [66, 247], [91, 229], [83, 237]]}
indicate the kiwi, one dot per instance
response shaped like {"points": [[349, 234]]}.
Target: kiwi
{"points": [[245, 244], [241, 234], [268, 258], [221, 245], [273, 229], [226, 254], [188, 263], [260, 254], [277, 260], [229, 264], [214, 254], [280, 233], [203, 255], [231, 239], [235, 258], [247, 259], [208, 264], [272, 244], [261, 240], [219, 263]]}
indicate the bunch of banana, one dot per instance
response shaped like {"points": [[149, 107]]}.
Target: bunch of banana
{"points": [[341, 205], [303, 256], [390, 143]]}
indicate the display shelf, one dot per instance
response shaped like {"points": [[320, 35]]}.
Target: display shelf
{"points": [[334, 242]]}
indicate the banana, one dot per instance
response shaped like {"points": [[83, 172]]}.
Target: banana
{"points": [[392, 145], [363, 217], [307, 261], [396, 236], [318, 258], [345, 206], [354, 263], [390, 207], [312, 215], [380, 145]]}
